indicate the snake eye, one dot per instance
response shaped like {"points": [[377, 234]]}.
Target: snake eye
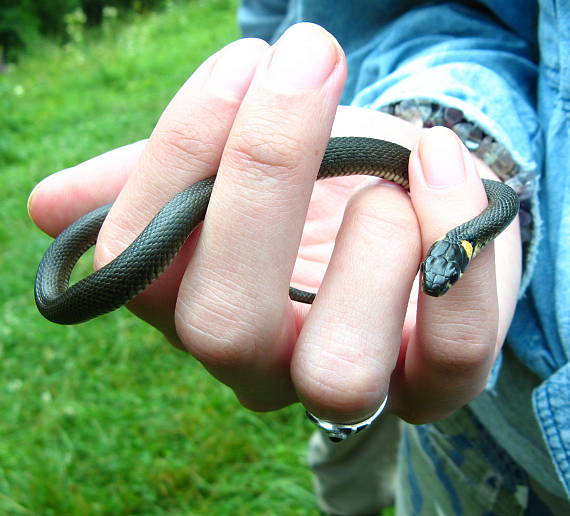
{"points": [[452, 272], [443, 266]]}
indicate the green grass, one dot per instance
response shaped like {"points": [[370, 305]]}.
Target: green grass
{"points": [[105, 418]]}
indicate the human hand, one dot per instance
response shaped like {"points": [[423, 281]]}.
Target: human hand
{"points": [[262, 117]]}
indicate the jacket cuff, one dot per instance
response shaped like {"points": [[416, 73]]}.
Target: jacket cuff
{"points": [[486, 101]]}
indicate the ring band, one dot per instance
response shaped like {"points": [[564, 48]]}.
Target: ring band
{"points": [[340, 432]]}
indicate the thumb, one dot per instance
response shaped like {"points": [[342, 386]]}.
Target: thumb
{"points": [[60, 199]]}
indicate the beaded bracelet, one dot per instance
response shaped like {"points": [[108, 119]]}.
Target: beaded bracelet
{"points": [[426, 113]]}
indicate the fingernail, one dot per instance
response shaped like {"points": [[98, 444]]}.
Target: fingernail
{"points": [[32, 193], [235, 66], [442, 158], [304, 57]]}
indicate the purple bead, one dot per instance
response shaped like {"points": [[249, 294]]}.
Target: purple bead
{"points": [[470, 134], [525, 218], [526, 234], [452, 116]]}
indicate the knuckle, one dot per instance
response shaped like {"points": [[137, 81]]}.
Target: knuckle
{"points": [[459, 353], [339, 386], [264, 153], [182, 147], [220, 351], [215, 334], [382, 218]]}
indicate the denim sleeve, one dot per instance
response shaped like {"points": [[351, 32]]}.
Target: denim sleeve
{"points": [[458, 54], [261, 18], [465, 58], [461, 58]]}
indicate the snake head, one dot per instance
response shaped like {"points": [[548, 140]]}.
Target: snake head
{"points": [[445, 263]]}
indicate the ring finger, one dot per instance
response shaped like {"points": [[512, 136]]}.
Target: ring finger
{"points": [[351, 338]]}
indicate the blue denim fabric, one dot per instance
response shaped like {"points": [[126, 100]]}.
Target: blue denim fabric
{"points": [[507, 66]]}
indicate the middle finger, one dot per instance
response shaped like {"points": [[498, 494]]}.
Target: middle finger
{"points": [[233, 311]]}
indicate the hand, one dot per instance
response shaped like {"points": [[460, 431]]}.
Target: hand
{"points": [[261, 117]]}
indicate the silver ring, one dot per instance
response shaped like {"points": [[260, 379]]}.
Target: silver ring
{"points": [[340, 432]]}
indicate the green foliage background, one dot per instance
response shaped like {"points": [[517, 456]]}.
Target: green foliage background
{"points": [[23, 21], [105, 418]]}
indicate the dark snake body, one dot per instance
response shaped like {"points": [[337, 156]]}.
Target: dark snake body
{"points": [[154, 249]]}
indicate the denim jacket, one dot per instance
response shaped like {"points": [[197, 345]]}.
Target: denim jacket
{"points": [[506, 65]]}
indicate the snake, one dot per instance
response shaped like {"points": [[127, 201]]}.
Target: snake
{"points": [[142, 262]]}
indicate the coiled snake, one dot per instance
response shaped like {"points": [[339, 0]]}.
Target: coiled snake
{"points": [[154, 249]]}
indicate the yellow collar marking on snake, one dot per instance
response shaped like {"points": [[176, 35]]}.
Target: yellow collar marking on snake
{"points": [[468, 248]]}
